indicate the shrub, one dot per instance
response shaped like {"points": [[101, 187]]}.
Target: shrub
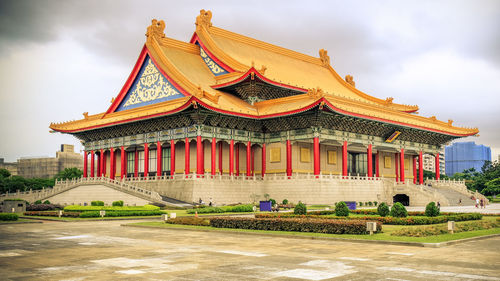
{"points": [[442, 229], [341, 209], [38, 202], [96, 214], [52, 214], [375, 203], [294, 224], [97, 203], [398, 210], [117, 203], [8, 217], [431, 210], [300, 209], [189, 221], [370, 203], [383, 209], [224, 209], [44, 207], [273, 202], [360, 204], [285, 201], [46, 202]]}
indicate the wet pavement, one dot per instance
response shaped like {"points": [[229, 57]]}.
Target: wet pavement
{"points": [[107, 251]]}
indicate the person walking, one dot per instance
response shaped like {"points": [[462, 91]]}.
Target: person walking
{"points": [[477, 202]]}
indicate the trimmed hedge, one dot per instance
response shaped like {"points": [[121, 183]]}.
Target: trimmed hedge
{"points": [[118, 203], [341, 209], [96, 214], [76, 208], [398, 210], [443, 229], [52, 214], [383, 210], [97, 203], [300, 209], [43, 207], [190, 221], [8, 217], [431, 210], [223, 209], [417, 220], [295, 224]]}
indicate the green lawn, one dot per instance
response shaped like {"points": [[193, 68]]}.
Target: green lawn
{"points": [[384, 236], [91, 219], [20, 220]]}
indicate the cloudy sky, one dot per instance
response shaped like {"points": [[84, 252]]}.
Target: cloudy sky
{"points": [[59, 59]]}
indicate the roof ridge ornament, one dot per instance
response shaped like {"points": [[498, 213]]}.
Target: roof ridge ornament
{"points": [[388, 101], [204, 19], [350, 80], [324, 57], [316, 93], [156, 29]]}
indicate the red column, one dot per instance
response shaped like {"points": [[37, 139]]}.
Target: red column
{"points": [[369, 160], [249, 157], [103, 163], [220, 158], [253, 160], [377, 164], [344, 159], [136, 163], [123, 161], [231, 157], [213, 151], [158, 159], [146, 160], [437, 166], [396, 164], [99, 164], [288, 158], [402, 164], [317, 167], [85, 160], [112, 163], [237, 159], [263, 159], [421, 168], [92, 163], [172, 157], [414, 169], [186, 156], [199, 156]]}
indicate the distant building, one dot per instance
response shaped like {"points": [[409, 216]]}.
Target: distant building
{"points": [[430, 163], [465, 155], [11, 167], [45, 167]]}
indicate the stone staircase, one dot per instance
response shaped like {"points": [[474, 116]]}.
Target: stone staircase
{"points": [[454, 196]]}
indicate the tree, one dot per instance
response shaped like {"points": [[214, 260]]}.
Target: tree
{"points": [[69, 173], [4, 173]]}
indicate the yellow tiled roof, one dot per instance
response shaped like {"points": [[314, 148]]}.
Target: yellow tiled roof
{"points": [[182, 62]]}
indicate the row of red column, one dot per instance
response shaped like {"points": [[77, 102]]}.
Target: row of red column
{"points": [[399, 160]]}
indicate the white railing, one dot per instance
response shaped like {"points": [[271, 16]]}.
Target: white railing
{"points": [[268, 177]]}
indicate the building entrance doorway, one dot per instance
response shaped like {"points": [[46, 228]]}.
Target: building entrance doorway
{"points": [[401, 198]]}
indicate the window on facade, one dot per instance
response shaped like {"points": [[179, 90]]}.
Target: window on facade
{"points": [[130, 162], [165, 161], [152, 160], [357, 163], [140, 162]]}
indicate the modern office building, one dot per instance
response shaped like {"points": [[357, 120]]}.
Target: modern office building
{"points": [[461, 156]]}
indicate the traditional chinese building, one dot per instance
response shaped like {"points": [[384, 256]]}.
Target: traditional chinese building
{"points": [[228, 106]]}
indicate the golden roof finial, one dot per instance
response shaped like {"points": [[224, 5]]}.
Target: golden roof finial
{"points": [[156, 29], [349, 79], [450, 122], [263, 69], [388, 101], [325, 59], [204, 19], [86, 115], [316, 93]]}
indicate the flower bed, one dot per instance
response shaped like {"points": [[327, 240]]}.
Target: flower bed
{"points": [[43, 207], [190, 221], [415, 220], [76, 208], [128, 213], [223, 209], [52, 214], [443, 229], [295, 224]]}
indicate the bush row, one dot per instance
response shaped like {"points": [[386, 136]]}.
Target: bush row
{"points": [[416, 220], [43, 207], [77, 208], [443, 229], [52, 214], [8, 217], [294, 224], [223, 209], [190, 221], [96, 214]]}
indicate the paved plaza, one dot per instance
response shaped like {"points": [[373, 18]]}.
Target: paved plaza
{"points": [[107, 251]]}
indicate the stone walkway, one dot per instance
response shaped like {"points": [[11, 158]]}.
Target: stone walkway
{"points": [[107, 251]]}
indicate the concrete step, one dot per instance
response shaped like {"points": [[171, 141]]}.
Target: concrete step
{"points": [[175, 202], [455, 196]]}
